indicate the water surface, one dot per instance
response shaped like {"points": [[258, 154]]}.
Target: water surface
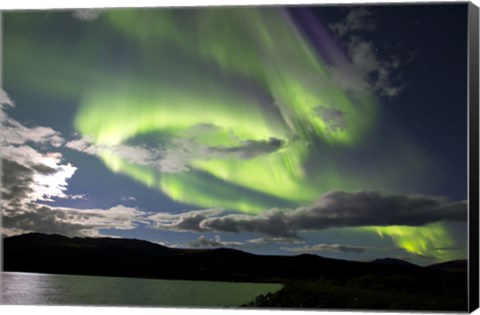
{"points": [[44, 289]]}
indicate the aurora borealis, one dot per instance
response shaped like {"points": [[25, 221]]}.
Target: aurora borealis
{"points": [[243, 123]]}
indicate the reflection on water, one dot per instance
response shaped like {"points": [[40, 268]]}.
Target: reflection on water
{"points": [[37, 289]]}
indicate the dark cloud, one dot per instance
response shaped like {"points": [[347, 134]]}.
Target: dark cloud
{"points": [[43, 169], [371, 208], [43, 220], [16, 183], [28, 175], [250, 148], [319, 248], [333, 210], [274, 222]]}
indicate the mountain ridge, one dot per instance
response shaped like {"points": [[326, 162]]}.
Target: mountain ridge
{"points": [[106, 247], [306, 277]]}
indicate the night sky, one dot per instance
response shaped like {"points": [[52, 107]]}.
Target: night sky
{"points": [[339, 131]]}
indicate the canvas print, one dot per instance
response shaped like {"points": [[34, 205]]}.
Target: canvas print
{"points": [[297, 157]]}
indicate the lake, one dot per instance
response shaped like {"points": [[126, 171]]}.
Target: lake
{"points": [[52, 289]]}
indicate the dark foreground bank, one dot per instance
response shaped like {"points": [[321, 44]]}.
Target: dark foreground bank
{"points": [[310, 281]]}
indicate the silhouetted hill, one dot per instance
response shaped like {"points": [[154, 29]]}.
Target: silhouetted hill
{"points": [[453, 266], [136, 258], [393, 261]]}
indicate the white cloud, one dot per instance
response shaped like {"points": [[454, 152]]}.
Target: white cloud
{"points": [[132, 154], [118, 217], [177, 154], [5, 100], [203, 242], [45, 175], [76, 197], [367, 70], [359, 19], [173, 159], [275, 240], [167, 244], [186, 221], [70, 221], [23, 184], [334, 118], [47, 186], [87, 15], [15, 133]]}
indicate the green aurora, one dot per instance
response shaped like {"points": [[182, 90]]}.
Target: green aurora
{"points": [[202, 81], [248, 77], [430, 240]]}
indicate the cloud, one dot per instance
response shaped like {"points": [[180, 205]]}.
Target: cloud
{"points": [[372, 208], [332, 210], [320, 248], [367, 70], [359, 19], [334, 118], [274, 222], [379, 73], [167, 244], [140, 155], [76, 197], [275, 240], [87, 15], [43, 177], [203, 242], [70, 221], [16, 184], [36, 177], [248, 149], [25, 168], [29, 176], [181, 152], [15, 133], [5, 100], [176, 157], [187, 221], [178, 154]]}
